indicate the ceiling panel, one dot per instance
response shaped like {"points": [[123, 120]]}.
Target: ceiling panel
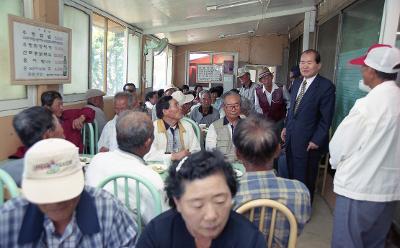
{"points": [[187, 21], [277, 25]]}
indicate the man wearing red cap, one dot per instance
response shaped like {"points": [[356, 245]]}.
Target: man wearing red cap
{"points": [[365, 153]]}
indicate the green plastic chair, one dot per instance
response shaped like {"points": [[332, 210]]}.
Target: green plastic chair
{"points": [[195, 126], [6, 181], [90, 131], [138, 180]]}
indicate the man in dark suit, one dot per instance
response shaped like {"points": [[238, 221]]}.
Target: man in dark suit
{"points": [[306, 132]]}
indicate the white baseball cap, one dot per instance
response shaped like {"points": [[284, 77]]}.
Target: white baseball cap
{"points": [[93, 93], [169, 86], [52, 172], [380, 57], [182, 98]]}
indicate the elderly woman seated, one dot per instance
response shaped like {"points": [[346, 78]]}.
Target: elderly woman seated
{"points": [[200, 191]]}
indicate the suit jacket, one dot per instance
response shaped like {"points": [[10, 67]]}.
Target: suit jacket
{"points": [[313, 118]]}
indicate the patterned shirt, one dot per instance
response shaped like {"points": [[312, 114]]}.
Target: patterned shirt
{"points": [[249, 93], [99, 220], [292, 193]]}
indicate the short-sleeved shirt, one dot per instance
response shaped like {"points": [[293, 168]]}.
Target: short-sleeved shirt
{"points": [[198, 116], [99, 220], [168, 230]]}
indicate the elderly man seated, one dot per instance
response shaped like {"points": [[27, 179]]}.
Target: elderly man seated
{"points": [[200, 191], [95, 101], [257, 145], [219, 134], [134, 137], [32, 125], [173, 139], [205, 113], [56, 210], [72, 120], [108, 139]]}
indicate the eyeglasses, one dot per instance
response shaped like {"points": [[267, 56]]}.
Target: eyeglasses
{"points": [[232, 106]]}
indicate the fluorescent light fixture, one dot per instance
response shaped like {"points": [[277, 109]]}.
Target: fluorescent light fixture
{"points": [[231, 5], [223, 36]]}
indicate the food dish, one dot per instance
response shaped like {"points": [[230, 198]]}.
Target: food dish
{"points": [[159, 168], [238, 173], [85, 160]]}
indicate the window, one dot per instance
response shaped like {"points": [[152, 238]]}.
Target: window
{"points": [[162, 73], [98, 51], [11, 96], [116, 57], [133, 59], [78, 21], [110, 55], [361, 23]]}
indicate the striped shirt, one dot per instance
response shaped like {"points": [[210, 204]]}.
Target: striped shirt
{"points": [[99, 220], [292, 193]]}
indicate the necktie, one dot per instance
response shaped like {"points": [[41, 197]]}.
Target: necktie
{"points": [[298, 99]]}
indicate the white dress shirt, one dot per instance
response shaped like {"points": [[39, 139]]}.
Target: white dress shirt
{"points": [[159, 146], [309, 82], [106, 164], [211, 138], [286, 98], [365, 150], [108, 137]]}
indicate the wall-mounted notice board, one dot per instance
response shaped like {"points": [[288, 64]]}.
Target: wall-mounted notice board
{"points": [[40, 53]]}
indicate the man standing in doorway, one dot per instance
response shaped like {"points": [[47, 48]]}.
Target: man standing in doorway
{"points": [[306, 131], [365, 153]]}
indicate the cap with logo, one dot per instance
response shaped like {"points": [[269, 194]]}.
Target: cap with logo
{"points": [[52, 172], [182, 98], [380, 57]]}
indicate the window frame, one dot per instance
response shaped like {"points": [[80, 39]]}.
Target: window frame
{"points": [[212, 54], [90, 10], [13, 106], [72, 98]]}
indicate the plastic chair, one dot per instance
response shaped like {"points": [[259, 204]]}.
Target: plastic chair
{"points": [[276, 206], [324, 165], [195, 126], [7, 183], [138, 180], [89, 131]]}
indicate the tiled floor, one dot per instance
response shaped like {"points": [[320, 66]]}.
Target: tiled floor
{"points": [[317, 233]]}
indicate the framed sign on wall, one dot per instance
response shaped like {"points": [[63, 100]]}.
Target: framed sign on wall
{"points": [[40, 53], [209, 73]]}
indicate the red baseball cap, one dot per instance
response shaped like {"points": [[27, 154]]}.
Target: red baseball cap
{"points": [[360, 60]]}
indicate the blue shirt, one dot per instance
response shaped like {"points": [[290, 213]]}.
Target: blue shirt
{"points": [[291, 193], [99, 220], [168, 230]]}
